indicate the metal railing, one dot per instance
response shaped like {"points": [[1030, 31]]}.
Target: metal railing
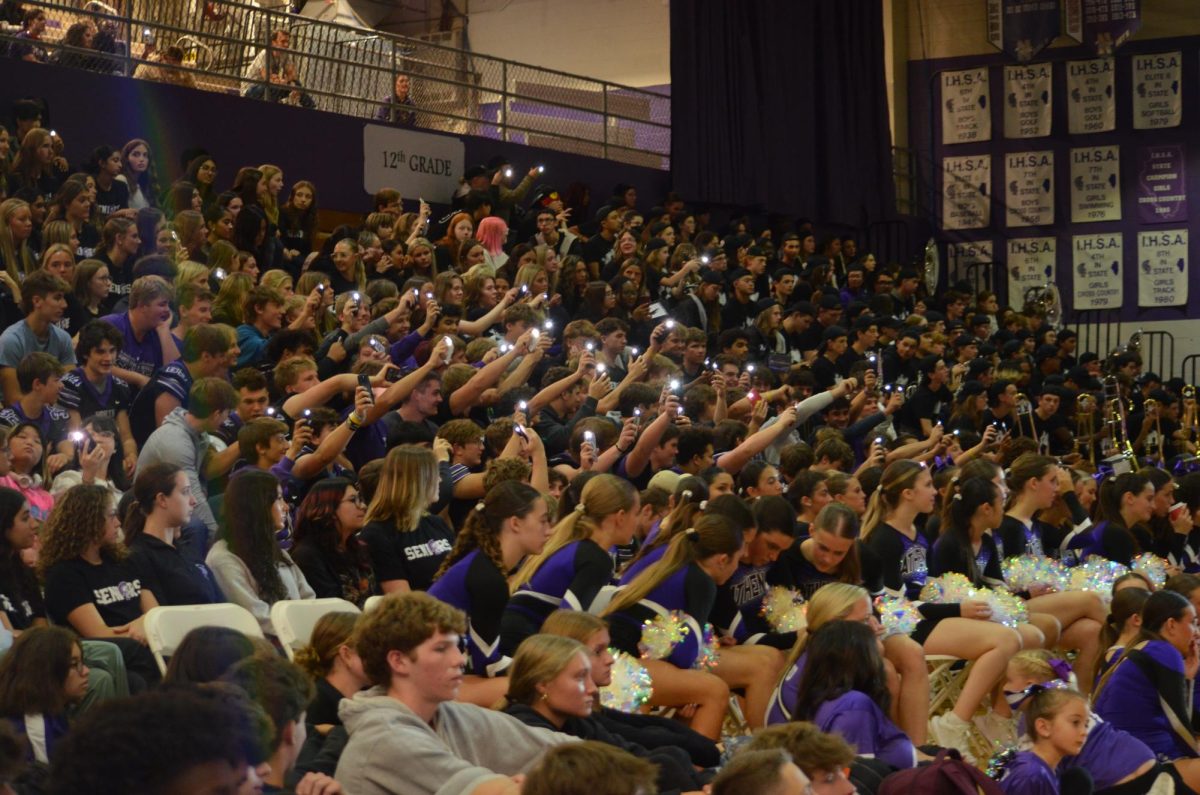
{"points": [[352, 71]]}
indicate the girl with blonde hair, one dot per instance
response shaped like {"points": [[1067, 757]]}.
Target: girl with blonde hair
{"points": [[269, 188], [575, 564], [407, 544], [331, 661], [16, 227], [685, 579]]}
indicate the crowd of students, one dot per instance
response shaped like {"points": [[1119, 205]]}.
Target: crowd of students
{"points": [[537, 429]]}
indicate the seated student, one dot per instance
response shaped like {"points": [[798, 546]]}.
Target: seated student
{"points": [[650, 731], [282, 690], [250, 567], [39, 377], [407, 544], [253, 401], [162, 504], [1144, 692], [206, 653], [262, 314], [590, 768], [1123, 624], [771, 771], [407, 734], [182, 440], [91, 390], [1116, 761], [332, 663], [94, 459], [843, 690], [22, 470], [327, 548], [41, 677], [824, 758], [163, 742], [550, 686], [90, 585], [574, 565], [1126, 508], [146, 329], [43, 302], [207, 353], [264, 442], [509, 524], [1057, 722]]}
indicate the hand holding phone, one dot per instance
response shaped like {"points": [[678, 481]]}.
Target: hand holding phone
{"points": [[364, 381]]}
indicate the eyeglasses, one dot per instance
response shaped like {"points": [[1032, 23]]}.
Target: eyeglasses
{"points": [[357, 500], [78, 665]]}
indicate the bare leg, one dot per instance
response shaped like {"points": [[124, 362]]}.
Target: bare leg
{"points": [[1081, 614], [754, 669], [910, 706], [1190, 770], [675, 687], [1083, 635], [1039, 632], [989, 645]]}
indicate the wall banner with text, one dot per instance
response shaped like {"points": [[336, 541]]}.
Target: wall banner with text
{"points": [[1096, 271], [1022, 28], [1029, 188], [1161, 188], [1162, 267], [1091, 96], [965, 114], [967, 192], [1096, 184], [971, 261], [1030, 264], [1157, 93], [1027, 101]]}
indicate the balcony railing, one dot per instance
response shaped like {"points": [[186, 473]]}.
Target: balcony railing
{"points": [[352, 71]]}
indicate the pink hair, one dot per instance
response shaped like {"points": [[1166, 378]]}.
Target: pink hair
{"points": [[492, 233]]}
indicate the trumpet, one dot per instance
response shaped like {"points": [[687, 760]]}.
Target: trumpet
{"points": [[1152, 405], [1085, 424], [1026, 420]]}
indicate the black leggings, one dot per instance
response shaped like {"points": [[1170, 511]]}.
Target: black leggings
{"points": [[140, 665]]}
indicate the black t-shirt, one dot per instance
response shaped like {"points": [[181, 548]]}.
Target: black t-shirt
{"points": [[172, 579], [113, 199], [928, 404], [413, 555], [113, 586], [20, 596], [89, 242]]}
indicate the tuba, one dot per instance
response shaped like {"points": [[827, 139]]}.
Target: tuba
{"points": [[1046, 301]]}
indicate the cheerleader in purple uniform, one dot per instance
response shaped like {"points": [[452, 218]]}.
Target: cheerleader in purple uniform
{"points": [[691, 496], [842, 691], [575, 564], [511, 522], [1147, 691], [685, 580], [895, 561]]}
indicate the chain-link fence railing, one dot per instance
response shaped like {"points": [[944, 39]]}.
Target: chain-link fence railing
{"points": [[276, 56]]}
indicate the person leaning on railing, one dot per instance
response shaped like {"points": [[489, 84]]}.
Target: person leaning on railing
{"points": [[398, 108], [165, 67]]}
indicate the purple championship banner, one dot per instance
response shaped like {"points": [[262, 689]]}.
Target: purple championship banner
{"points": [[1022, 28], [1161, 187]]}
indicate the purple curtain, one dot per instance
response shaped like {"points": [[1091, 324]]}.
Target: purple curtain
{"points": [[781, 105]]}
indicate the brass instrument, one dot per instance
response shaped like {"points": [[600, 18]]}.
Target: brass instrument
{"points": [[1085, 424], [1120, 449], [1025, 410], [1191, 418], [1152, 405]]}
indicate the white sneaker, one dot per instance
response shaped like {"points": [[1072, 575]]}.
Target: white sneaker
{"points": [[1001, 732], [951, 731]]}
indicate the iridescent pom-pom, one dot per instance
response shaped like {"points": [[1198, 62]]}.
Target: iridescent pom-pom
{"points": [[1096, 574], [708, 658], [661, 634], [1007, 609], [1152, 566], [630, 688], [1024, 571], [947, 589], [898, 616], [784, 609]]}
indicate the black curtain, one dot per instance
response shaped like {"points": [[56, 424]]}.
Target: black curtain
{"points": [[781, 105]]}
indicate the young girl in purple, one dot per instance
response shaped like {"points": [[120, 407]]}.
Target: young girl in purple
{"points": [[1058, 727], [684, 580], [1145, 692], [895, 563], [843, 691], [1116, 761], [509, 523], [574, 565]]}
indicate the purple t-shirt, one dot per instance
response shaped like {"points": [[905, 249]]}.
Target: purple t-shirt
{"points": [[861, 722], [142, 357], [1028, 774], [1109, 754]]}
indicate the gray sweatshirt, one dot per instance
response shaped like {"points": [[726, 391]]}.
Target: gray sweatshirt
{"points": [[174, 442], [393, 752]]}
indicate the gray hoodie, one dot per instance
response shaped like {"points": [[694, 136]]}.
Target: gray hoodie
{"points": [[393, 752], [174, 442]]}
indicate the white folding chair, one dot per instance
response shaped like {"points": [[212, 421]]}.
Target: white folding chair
{"points": [[372, 603], [294, 619], [166, 627]]}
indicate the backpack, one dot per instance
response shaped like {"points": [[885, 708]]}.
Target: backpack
{"points": [[948, 774]]}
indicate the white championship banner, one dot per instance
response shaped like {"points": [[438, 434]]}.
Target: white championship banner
{"points": [[1027, 101], [1096, 184], [967, 192], [1157, 90], [1030, 264], [1163, 267], [1096, 271], [965, 114], [1029, 188], [1091, 96]]}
